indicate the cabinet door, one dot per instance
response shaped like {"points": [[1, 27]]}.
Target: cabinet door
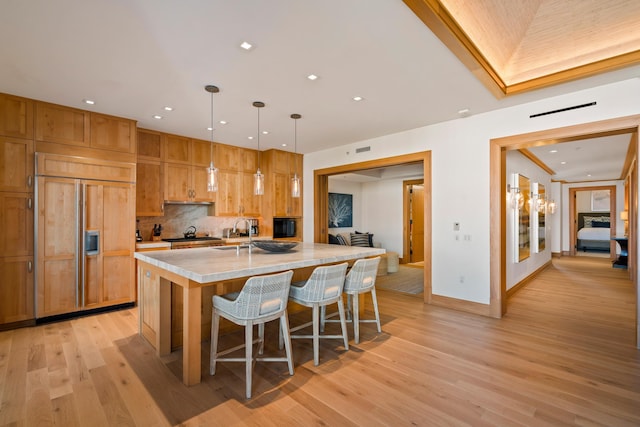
{"points": [[16, 116], [201, 152], [16, 289], [64, 125], [199, 187], [58, 240], [149, 189], [108, 275], [228, 196], [281, 193], [16, 162], [113, 133], [177, 182], [247, 160], [250, 203], [16, 223], [149, 145], [177, 149], [226, 157]]}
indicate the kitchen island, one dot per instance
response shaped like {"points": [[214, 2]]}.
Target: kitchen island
{"points": [[220, 268]]}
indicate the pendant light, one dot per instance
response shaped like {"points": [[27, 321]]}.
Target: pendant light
{"points": [[258, 178], [295, 181], [212, 171]]}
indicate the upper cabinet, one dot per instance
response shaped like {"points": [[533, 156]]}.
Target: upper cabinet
{"points": [[71, 126], [235, 190], [113, 133], [150, 145], [64, 125], [280, 167], [16, 116], [185, 169], [149, 174]]}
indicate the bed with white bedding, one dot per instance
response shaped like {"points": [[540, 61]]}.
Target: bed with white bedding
{"points": [[594, 232]]}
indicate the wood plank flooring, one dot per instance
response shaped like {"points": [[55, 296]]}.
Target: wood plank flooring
{"points": [[563, 355]]}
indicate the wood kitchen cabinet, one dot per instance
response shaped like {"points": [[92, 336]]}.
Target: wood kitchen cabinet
{"points": [[185, 169], [16, 223], [16, 289], [16, 162], [280, 167], [149, 174], [16, 116], [63, 125], [235, 189], [113, 133]]}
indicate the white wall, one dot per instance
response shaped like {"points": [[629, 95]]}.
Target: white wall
{"points": [[517, 271], [460, 175]]}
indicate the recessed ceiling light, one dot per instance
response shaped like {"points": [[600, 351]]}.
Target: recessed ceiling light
{"points": [[209, 128], [265, 132], [246, 45], [465, 112], [223, 122], [358, 98], [589, 174], [284, 145], [168, 108], [312, 77], [88, 101], [553, 151], [157, 117], [563, 163], [249, 137]]}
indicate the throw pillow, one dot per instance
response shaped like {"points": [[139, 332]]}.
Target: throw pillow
{"points": [[599, 224], [360, 240], [341, 240], [370, 237], [333, 240]]}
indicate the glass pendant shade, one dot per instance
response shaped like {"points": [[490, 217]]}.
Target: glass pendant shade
{"points": [[295, 181], [212, 178], [258, 178], [295, 186], [258, 183], [212, 171]]}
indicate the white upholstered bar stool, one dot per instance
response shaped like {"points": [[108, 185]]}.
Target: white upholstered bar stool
{"points": [[323, 288], [262, 299], [361, 279]]}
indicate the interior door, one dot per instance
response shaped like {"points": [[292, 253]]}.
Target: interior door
{"points": [[416, 229]]}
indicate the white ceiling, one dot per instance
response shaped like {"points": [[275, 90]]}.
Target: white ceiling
{"points": [[133, 57]]}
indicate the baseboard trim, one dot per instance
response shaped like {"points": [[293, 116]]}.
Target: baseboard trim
{"points": [[556, 255], [461, 305], [521, 284]]}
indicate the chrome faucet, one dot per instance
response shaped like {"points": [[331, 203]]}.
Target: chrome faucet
{"points": [[248, 224]]}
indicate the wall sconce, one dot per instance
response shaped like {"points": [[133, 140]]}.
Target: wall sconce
{"points": [[551, 206], [515, 198]]}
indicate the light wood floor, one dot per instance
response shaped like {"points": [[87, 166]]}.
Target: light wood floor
{"points": [[563, 355]]}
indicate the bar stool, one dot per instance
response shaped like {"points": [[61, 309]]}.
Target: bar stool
{"points": [[323, 288], [262, 299], [360, 279]]}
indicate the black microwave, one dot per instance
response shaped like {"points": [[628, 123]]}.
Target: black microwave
{"points": [[284, 227]]}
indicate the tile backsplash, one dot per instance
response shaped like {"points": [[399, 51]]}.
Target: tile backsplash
{"points": [[177, 218]]}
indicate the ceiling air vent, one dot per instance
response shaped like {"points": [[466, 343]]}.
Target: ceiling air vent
{"points": [[562, 109], [363, 149]]}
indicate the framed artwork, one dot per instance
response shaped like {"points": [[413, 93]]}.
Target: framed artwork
{"points": [[340, 210], [600, 201]]}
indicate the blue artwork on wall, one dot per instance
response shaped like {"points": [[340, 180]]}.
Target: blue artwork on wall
{"points": [[340, 210]]}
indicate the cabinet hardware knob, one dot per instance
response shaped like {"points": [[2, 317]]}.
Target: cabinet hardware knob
{"points": [[30, 266], [30, 202], [29, 181]]}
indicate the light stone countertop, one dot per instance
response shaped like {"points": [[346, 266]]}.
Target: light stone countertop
{"points": [[212, 264]]}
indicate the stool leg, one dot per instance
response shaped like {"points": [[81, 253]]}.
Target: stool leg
{"points": [[261, 338], [286, 337], [375, 308], [316, 334], [356, 318], [214, 343], [248, 339], [343, 323], [323, 313]]}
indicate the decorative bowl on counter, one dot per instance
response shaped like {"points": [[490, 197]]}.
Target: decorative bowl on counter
{"points": [[274, 245]]}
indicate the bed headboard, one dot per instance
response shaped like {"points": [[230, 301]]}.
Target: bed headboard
{"points": [[602, 216]]}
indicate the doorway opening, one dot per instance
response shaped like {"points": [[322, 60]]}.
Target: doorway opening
{"points": [[321, 200], [581, 242], [498, 196]]}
